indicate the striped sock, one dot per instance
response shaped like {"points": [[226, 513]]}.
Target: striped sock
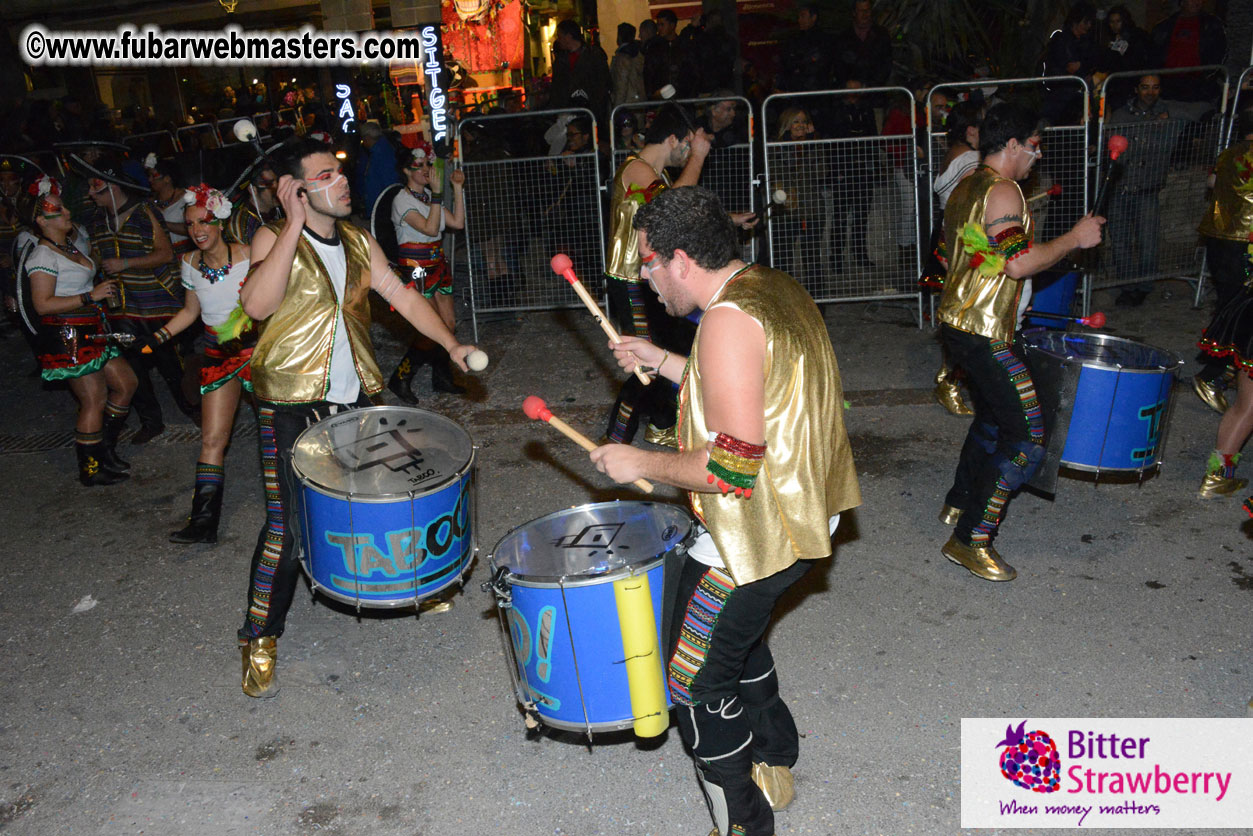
{"points": [[639, 316], [699, 620], [112, 410], [618, 434], [209, 474], [88, 439], [267, 565]]}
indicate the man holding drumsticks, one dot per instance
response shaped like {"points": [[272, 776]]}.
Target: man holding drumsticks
{"points": [[766, 462], [308, 286]]}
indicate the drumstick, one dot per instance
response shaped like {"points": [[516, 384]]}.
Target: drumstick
{"points": [[563, 267], [537, 410], [1052, 191], [1096, 320]]}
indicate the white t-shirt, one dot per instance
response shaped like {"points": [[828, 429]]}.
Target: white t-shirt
{"points": [[173, 214], [951, 176], [217, 299], [72, 278], [405, 203], [345, 386]]}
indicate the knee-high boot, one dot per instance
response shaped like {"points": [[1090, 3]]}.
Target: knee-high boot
{"points": [[114, 421], [206, 507], [91, 472], [401, 381]]}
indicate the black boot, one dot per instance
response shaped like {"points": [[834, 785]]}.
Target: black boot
{"points": [[441, 374], [401, 382], [114, 422], [91, 472], [206, 511]]}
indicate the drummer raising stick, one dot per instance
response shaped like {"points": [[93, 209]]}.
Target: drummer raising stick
{"points": [[989, 233], [309, 283], [765, 459]]}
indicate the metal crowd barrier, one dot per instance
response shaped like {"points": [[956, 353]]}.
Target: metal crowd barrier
{"points": [[202, 135], [1241, 97], [728, 170], [848, 227], [1157, 202], [163, 143], [1064, 144], [522, 207]]}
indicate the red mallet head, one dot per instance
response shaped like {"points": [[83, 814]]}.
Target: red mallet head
{"points": [[1096, 320], [1117, 144], [563, 266], [536, 409], [1055, 190]]}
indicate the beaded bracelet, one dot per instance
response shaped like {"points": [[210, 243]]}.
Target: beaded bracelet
{"points": [[85, 297], [734, 464], [162, 336]]}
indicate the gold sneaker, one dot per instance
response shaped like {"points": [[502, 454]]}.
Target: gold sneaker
{"points": [[1215, 485], [260, 657], [435, 605], [775, 783], [982, 561], [1210, 393], [665, 438], [950, 515], [948, 395]]}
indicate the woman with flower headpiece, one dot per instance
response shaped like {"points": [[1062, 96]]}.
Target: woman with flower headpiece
{"points": [[213, 274], [420, 218], [70, 343]]}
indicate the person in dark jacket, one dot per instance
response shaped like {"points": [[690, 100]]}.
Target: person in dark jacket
{"points": [[578, 65], [805, 59], [1189, 38], [666, 60], [863, 51]]}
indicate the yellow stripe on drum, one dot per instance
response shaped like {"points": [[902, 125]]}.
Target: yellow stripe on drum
{"points": [[638, 623]]}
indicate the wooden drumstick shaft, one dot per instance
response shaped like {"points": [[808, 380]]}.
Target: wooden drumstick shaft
{"points": [[566, 271], [589, 445]]}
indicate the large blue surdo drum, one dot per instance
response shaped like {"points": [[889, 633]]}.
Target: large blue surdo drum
{"points": [[1114, 398], [386, 495], [577, 588]]}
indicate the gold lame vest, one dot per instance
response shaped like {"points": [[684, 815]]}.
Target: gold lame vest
{"points": [[292, 360], [1230, 213], [972, 302], [808, 474], [622, 261]]}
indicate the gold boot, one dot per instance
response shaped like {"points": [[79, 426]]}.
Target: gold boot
{"points": [[950, 515], [1215, 485], [666, 438], [949, 396], [982, 561], [260, 657], [775, 783], [1211, 393]]}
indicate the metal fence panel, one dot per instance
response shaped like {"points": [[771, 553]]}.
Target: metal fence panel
{"points": [[729, 169], [1242, 96], [847, 227], [1156, 203], [522, 207], [162, 143], [199, 136]]}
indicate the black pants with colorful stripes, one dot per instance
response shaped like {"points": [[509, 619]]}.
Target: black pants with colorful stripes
{"points": [[275, 570], [724, 686], [1005, 443]]}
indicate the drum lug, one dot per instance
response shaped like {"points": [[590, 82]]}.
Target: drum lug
{"points": [[498, 587]]}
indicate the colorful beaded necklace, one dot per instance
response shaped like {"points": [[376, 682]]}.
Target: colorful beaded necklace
{"points": [[213, 275]]}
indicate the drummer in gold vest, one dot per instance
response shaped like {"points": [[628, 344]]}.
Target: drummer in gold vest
{"points": [[765, 459], [989, 234], [308, 291]]}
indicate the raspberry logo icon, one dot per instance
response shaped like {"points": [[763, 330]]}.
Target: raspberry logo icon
{"points": [[1030, 759]]}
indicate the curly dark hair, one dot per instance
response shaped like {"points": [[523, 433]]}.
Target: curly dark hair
{"points": [[292, 159], [670, 120], [1005, 122], [691, 219]]}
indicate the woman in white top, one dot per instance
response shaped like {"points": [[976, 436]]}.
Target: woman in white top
{"points": [[420, 218], [168, 201], [72, 344], [961, 159], [213, 274]]}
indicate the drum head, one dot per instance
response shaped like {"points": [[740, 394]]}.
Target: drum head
{"points": [[381, 453], [1102, 351], [592, 540]]}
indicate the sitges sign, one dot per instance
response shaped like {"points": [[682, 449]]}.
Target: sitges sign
{"points": [[436, 97]]}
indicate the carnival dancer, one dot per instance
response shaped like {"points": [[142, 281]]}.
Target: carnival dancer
{"points": [[130, 244], [420, 218], [960, 161], [309, 282], [765, 459], [1228, 226], [71, 342], [212, 276], [167, 199], [988, 232], [669, 141]]}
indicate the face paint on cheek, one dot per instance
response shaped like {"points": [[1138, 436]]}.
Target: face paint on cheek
{"points": [[334, 181]]}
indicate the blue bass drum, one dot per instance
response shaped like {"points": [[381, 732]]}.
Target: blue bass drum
{"points": [[556, 584], [387, 495]]}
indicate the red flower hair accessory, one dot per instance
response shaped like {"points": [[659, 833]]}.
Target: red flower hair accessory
{"points": [[44, 185], [209, 198]]}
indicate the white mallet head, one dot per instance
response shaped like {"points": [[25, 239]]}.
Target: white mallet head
{"points": [[477, 360], [244, 130], [779, 196], [667, 92]]}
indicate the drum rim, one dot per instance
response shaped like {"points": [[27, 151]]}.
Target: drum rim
{"points": [[384, 498], [1176, 360], [553, 581]]}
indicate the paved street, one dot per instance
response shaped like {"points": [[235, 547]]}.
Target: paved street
{"points": [[122, 712]]}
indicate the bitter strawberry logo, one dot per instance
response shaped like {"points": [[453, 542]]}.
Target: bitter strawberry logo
{"points": [[1030, 759]]}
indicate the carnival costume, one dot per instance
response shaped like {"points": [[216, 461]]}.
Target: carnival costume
{"points": [[639, 313], [313, 358], [772, 521], [979, 313]]}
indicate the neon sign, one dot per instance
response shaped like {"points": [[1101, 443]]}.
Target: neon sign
{"points": [[346, 113], [436, 99]]}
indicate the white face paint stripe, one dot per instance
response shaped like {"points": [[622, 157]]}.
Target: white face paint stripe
{"points": [[334, 181]]}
